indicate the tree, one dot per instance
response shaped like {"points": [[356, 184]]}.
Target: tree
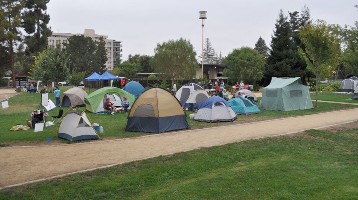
{"points": [[50, 65], [85, 54], [322, 49], [141, 60], [210, 56], [176, 59], [245, 64], [35, 23], [261, 47], [10, 12], [127, 69]]}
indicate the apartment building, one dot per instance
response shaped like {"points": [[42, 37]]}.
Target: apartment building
{"points": [[113, 47]]}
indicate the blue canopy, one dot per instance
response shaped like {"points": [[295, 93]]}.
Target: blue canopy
{"points": [[94, 77], [134, 88], [208, 103], [108, 76]]}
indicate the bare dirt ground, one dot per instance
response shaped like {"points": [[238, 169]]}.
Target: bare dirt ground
{"points": [[6, 93], [26, 164]]}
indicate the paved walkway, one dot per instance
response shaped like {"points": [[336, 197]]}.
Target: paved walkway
{"points": [[21, 165]]}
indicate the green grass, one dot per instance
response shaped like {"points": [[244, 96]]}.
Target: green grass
{"points": [[330, 96], [311, 165], [24, 103]]}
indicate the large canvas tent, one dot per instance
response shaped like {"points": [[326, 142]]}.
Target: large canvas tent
{"points": [[156, 111], [76, 126], [134, 88], [95, 100], [286, 94], [73, 97], [215, 109], [242, 105], [348, 84], [185, 91]]}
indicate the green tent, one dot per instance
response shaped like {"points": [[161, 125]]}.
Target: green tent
{"points": [[94, 101], [286, 94]]}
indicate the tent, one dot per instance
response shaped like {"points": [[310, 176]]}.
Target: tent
{"points": [[355, 94], [76, 126], [197, 97], [247, 93], [93, 77], [242, 105], [106, 76], [348, 84], [215, 109], [73, 97], [134, 88], [286, 94], [94, 101], [184, 92], [156, 111]]}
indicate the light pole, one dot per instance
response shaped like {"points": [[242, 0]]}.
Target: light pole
{"points": [[202, 17]]}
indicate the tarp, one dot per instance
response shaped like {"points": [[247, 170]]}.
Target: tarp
{"points": [[94, 77], [106, 76], [134, 88], [156, 111], [76, 126], [242, 105], [94, 101], [286, 94]]}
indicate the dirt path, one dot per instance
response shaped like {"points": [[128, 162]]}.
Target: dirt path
{"points": [[7, 93], [21, 165]]}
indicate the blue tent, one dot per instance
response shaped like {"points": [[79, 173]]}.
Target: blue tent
{"points": [[208, 103], [242, 105], [134, 88], [108, 76], [94, 77]]}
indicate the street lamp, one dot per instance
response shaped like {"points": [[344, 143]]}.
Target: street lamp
{"points": [[202, 17]]}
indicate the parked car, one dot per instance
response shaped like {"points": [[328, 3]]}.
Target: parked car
{"points": [[62, 83]]}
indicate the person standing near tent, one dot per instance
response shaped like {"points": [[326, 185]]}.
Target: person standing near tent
{"points": [[242, 85], [125, 104], [57, 93]]}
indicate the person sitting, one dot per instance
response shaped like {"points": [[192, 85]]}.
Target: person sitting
{"points": [[108, 105], [36, 117], [125, 104]]}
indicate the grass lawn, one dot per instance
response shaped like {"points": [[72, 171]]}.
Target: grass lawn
{"points": [[23, 104], [311, 165], [330, 96]]}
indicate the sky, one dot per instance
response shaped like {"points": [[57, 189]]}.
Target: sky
{"points": [[230, 24]]}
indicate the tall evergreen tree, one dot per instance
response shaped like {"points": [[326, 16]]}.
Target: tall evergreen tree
{"points": [[261, 47], [35, 23], [10, 21], [210, 56]]}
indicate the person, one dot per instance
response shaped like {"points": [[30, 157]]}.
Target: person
{"points": [[237, 86], [217, 88], [242, 85], [32, 88], [108, 105], [36, 117], [174, 88], [125, 104], [225, 95], [57, 93], [222, 84], [220, 93], [210, 85]]}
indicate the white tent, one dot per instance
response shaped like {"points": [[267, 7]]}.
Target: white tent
{"points": [[215, 109], [76, 126], [247, 93], [185, 91], [348, 84], [197, 97]]}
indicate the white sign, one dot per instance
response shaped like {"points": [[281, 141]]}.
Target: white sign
{"points": [[5, 104], [44, 99], [39, 127], [50, 105]]}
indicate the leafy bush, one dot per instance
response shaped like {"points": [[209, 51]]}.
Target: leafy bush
{"points": [[152, 77], [332, 87]]}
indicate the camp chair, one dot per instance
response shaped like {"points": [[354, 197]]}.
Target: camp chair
{"points": [[60, 113]]}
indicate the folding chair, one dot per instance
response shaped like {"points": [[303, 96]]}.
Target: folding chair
{"points": [[60, 113]]}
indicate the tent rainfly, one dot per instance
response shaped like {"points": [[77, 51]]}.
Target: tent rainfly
{"points": [[95, 100], [286, 94], [134, 88], [73, 97], [75, 126], [156, 111], [215, 109]]}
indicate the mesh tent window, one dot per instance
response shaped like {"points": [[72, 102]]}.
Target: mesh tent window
{"points": [[296, 93], [145, 110]]}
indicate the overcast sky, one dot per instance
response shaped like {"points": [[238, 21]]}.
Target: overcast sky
{"points": [[230, 24]]}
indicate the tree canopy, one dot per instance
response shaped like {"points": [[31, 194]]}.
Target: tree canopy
{"points": [[245, 64], [176, 59], [261, 47], [322, 50]]}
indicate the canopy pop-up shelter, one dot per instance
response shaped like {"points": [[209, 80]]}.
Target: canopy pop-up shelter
{"points": [[76, 126], [156, 111], [73, 97], [95, 100], [242, 105], [215, 109], [286, 94], [134, 88]]}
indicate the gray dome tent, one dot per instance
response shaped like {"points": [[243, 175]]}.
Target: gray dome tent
{"points": [[76, 126], [73, 97]]}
